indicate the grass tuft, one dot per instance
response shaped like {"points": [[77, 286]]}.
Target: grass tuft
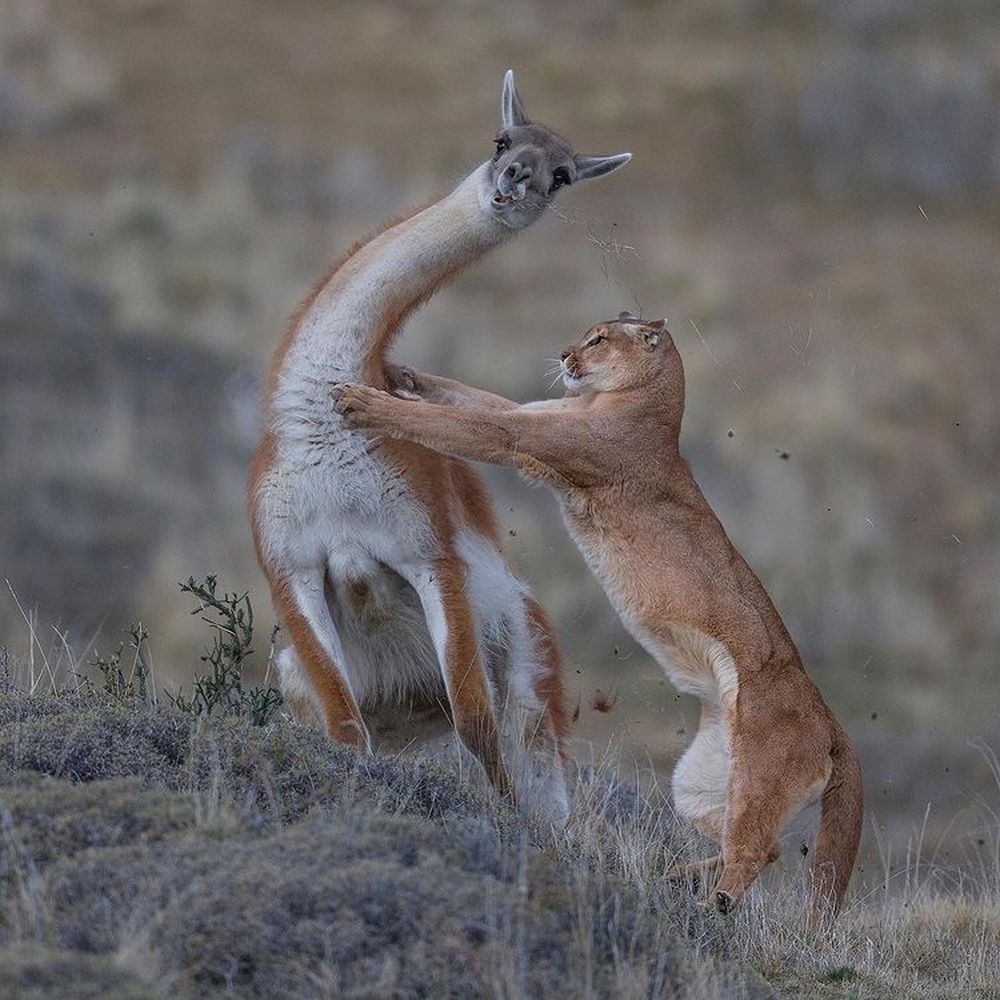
{"points": [[120, 683]]}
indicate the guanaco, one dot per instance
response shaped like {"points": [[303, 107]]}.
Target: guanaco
{"points": [[384, 558], [767, 744]]}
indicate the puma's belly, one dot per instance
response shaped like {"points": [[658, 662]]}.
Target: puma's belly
{"points": [[697, 664], [694, 661], [700, 781], [700, 665]]}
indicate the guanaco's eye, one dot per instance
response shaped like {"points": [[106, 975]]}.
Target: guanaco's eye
{"points": [[502, 144], [560, 178], [594, 341]]}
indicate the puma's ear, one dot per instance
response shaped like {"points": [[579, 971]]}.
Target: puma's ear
{"points": [[657, 324], [626, 317], [651, 338]]}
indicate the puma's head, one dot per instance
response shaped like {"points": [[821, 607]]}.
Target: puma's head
{"points": [[623, 353]]}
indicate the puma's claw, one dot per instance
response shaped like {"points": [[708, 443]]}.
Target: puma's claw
{"points": [[402, 379]]}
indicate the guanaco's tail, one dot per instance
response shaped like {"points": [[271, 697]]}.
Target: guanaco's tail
{"points": [[839, 830]]}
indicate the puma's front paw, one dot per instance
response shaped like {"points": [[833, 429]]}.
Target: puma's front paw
{"points": [[403, 381], [362, 406]]}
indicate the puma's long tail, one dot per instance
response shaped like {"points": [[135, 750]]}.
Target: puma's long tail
{"points": [[839, 830]]}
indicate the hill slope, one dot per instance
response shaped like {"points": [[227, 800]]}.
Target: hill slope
{"points": [[147, 853]]}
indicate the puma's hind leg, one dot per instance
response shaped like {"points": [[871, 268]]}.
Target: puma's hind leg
{"points": [[774, 774], [759, 805]]}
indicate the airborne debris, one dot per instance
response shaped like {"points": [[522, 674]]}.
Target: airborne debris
{"points": [[604, 701]]}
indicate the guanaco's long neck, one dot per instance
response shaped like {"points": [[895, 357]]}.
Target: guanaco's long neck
{"points": [[348, 327]]}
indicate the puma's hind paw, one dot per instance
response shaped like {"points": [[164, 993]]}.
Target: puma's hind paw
{"points": [[695, 873]]}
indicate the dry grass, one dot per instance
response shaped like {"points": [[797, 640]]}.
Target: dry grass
{"points": [[145, 840], [225, 859], [918, 929]]}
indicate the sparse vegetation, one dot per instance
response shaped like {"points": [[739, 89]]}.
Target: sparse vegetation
{"points": [[230, 616], [132, 680], [266, 861], [156, 850]]}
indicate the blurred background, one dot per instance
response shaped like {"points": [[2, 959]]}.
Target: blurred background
{"points": [[813, 204]]}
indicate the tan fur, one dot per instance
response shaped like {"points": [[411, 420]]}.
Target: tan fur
{"points": [[767, 745]]}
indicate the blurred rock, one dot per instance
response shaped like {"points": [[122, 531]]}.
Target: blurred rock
{"points": [[105, 440]]}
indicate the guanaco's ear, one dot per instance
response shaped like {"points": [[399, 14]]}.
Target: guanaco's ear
{"points": [[511, 108], [589, 167]]}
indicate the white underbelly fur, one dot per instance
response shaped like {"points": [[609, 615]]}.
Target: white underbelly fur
{"points": [[701, 779], [700, 665], [354, 513], [389, 648]]}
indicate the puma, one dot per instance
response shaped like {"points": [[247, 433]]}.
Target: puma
{"points": [[767, 744]]}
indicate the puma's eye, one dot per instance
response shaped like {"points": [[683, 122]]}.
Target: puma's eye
{"points": [[560, 178], [502, 144], [594, 341]]}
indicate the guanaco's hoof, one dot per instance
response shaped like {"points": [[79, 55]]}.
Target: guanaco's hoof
{"points": [[723, 902]]}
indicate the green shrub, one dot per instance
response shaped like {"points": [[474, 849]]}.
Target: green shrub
{"points": [[230, 615], [120, 683]]}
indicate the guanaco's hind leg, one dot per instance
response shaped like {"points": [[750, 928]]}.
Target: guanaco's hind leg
{"points": [[535, 755], [301, 603], [543, 726], [295, 688], [441, 588]]}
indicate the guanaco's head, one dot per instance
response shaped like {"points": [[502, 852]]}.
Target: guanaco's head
{"points": [[531, 163], [625, 353]]}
